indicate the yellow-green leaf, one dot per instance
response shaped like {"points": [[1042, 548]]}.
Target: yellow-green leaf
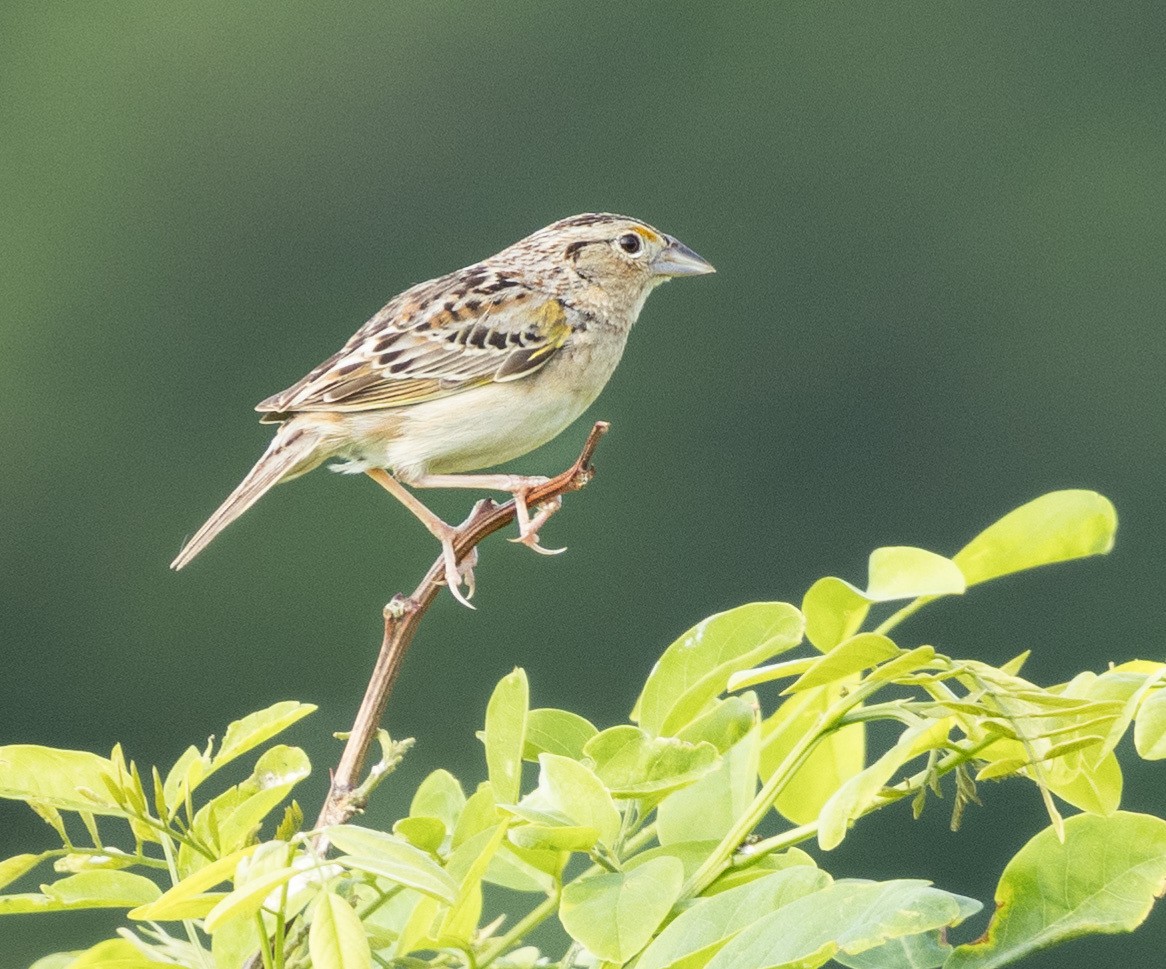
{"points": [[903, 572], [383, 854], [697, 667], [115, 954], [574, 791], [614, 915], [18, 865], [175, 901], [834, 611], [853, 655], [833, 760], [336, 939], [1103, 878], [257, 728], [1150, 727], [550, 731], [505, 735], [72, 780], [248, 898], [1056, 527]]}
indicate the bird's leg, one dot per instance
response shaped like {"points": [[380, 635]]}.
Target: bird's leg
{"points": [[517, 485], [455, 572]]}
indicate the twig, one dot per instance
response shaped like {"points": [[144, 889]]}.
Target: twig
{"points": [[402, 616], [404, 613]]}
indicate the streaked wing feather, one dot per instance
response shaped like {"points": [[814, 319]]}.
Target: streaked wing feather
{"points": [[404, 355]]}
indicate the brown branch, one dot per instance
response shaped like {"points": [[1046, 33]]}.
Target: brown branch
{"points": [[404, 613]]}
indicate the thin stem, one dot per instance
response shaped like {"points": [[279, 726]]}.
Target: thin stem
{"points": [[751, 854], [908, 610], [548, 906], [719, 859], [532, 920], [404, 613], [264, 942], [280, 939], [380, 900], [169, 833], [191, 934], [794, 836], [402, 617]]}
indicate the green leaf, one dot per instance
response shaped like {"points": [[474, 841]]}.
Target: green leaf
{"points": [[725, 723], [630, 763], [234, 944], [836, 757], [175, 902], [707, 809], [1055, 527], [525, 869], [17, 866], [108, 888], [849, 916], [505, 735], [691, 854], [248, 898], [257, 728], [439, 796], [852, 655], [468, 866], [760, 868], [91, 860], [903, 572], [927, 950], [852, 799], [834, 611], [550, 731], [1149, 728], [1102, 879], [786, 669], [428, 834], [379, 853], [58, 960], [88, 889], [702, 930], [336, 939], [697, 667], [278, 770], [547, 832], [614, 915], [571, 789], [479, 814], [72, 780], [1092, 787], [114, 954]]}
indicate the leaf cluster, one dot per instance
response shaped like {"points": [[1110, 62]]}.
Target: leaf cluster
{"points": [[641, 839]]}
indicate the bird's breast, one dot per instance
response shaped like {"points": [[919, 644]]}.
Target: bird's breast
{"points": [[495, 423]]}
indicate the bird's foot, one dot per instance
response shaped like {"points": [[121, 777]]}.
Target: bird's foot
{"points": [[528, 527], [458, 573]]}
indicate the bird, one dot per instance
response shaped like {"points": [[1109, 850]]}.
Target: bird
{"points": [[466, 372]]}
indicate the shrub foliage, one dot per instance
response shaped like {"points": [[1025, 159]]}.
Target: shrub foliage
{"points": [[641, 839]]}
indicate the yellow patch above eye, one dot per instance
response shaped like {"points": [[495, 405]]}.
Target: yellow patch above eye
{"points": [[646, 233]]}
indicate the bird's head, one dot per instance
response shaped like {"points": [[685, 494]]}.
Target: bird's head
{"points": [[623, 256]]}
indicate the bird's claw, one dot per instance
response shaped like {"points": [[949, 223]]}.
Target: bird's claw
{"points": [[530, 540], [459, 573], [528, 527]]}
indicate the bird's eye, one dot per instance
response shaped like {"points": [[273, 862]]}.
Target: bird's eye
{"points": [[631, 243]]}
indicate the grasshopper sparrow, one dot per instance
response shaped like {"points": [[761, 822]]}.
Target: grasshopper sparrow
{"points": [[467, 371]]}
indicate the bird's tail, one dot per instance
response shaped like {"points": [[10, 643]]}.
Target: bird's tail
{"points": [[295, 450]]}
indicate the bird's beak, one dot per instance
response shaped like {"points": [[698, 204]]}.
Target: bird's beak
{"points": [[676, 259]]}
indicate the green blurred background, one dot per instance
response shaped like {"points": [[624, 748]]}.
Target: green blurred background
{"points": [[940, 231]]}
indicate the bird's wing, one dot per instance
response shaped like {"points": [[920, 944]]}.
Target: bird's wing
{"points": [[420, 348]]}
